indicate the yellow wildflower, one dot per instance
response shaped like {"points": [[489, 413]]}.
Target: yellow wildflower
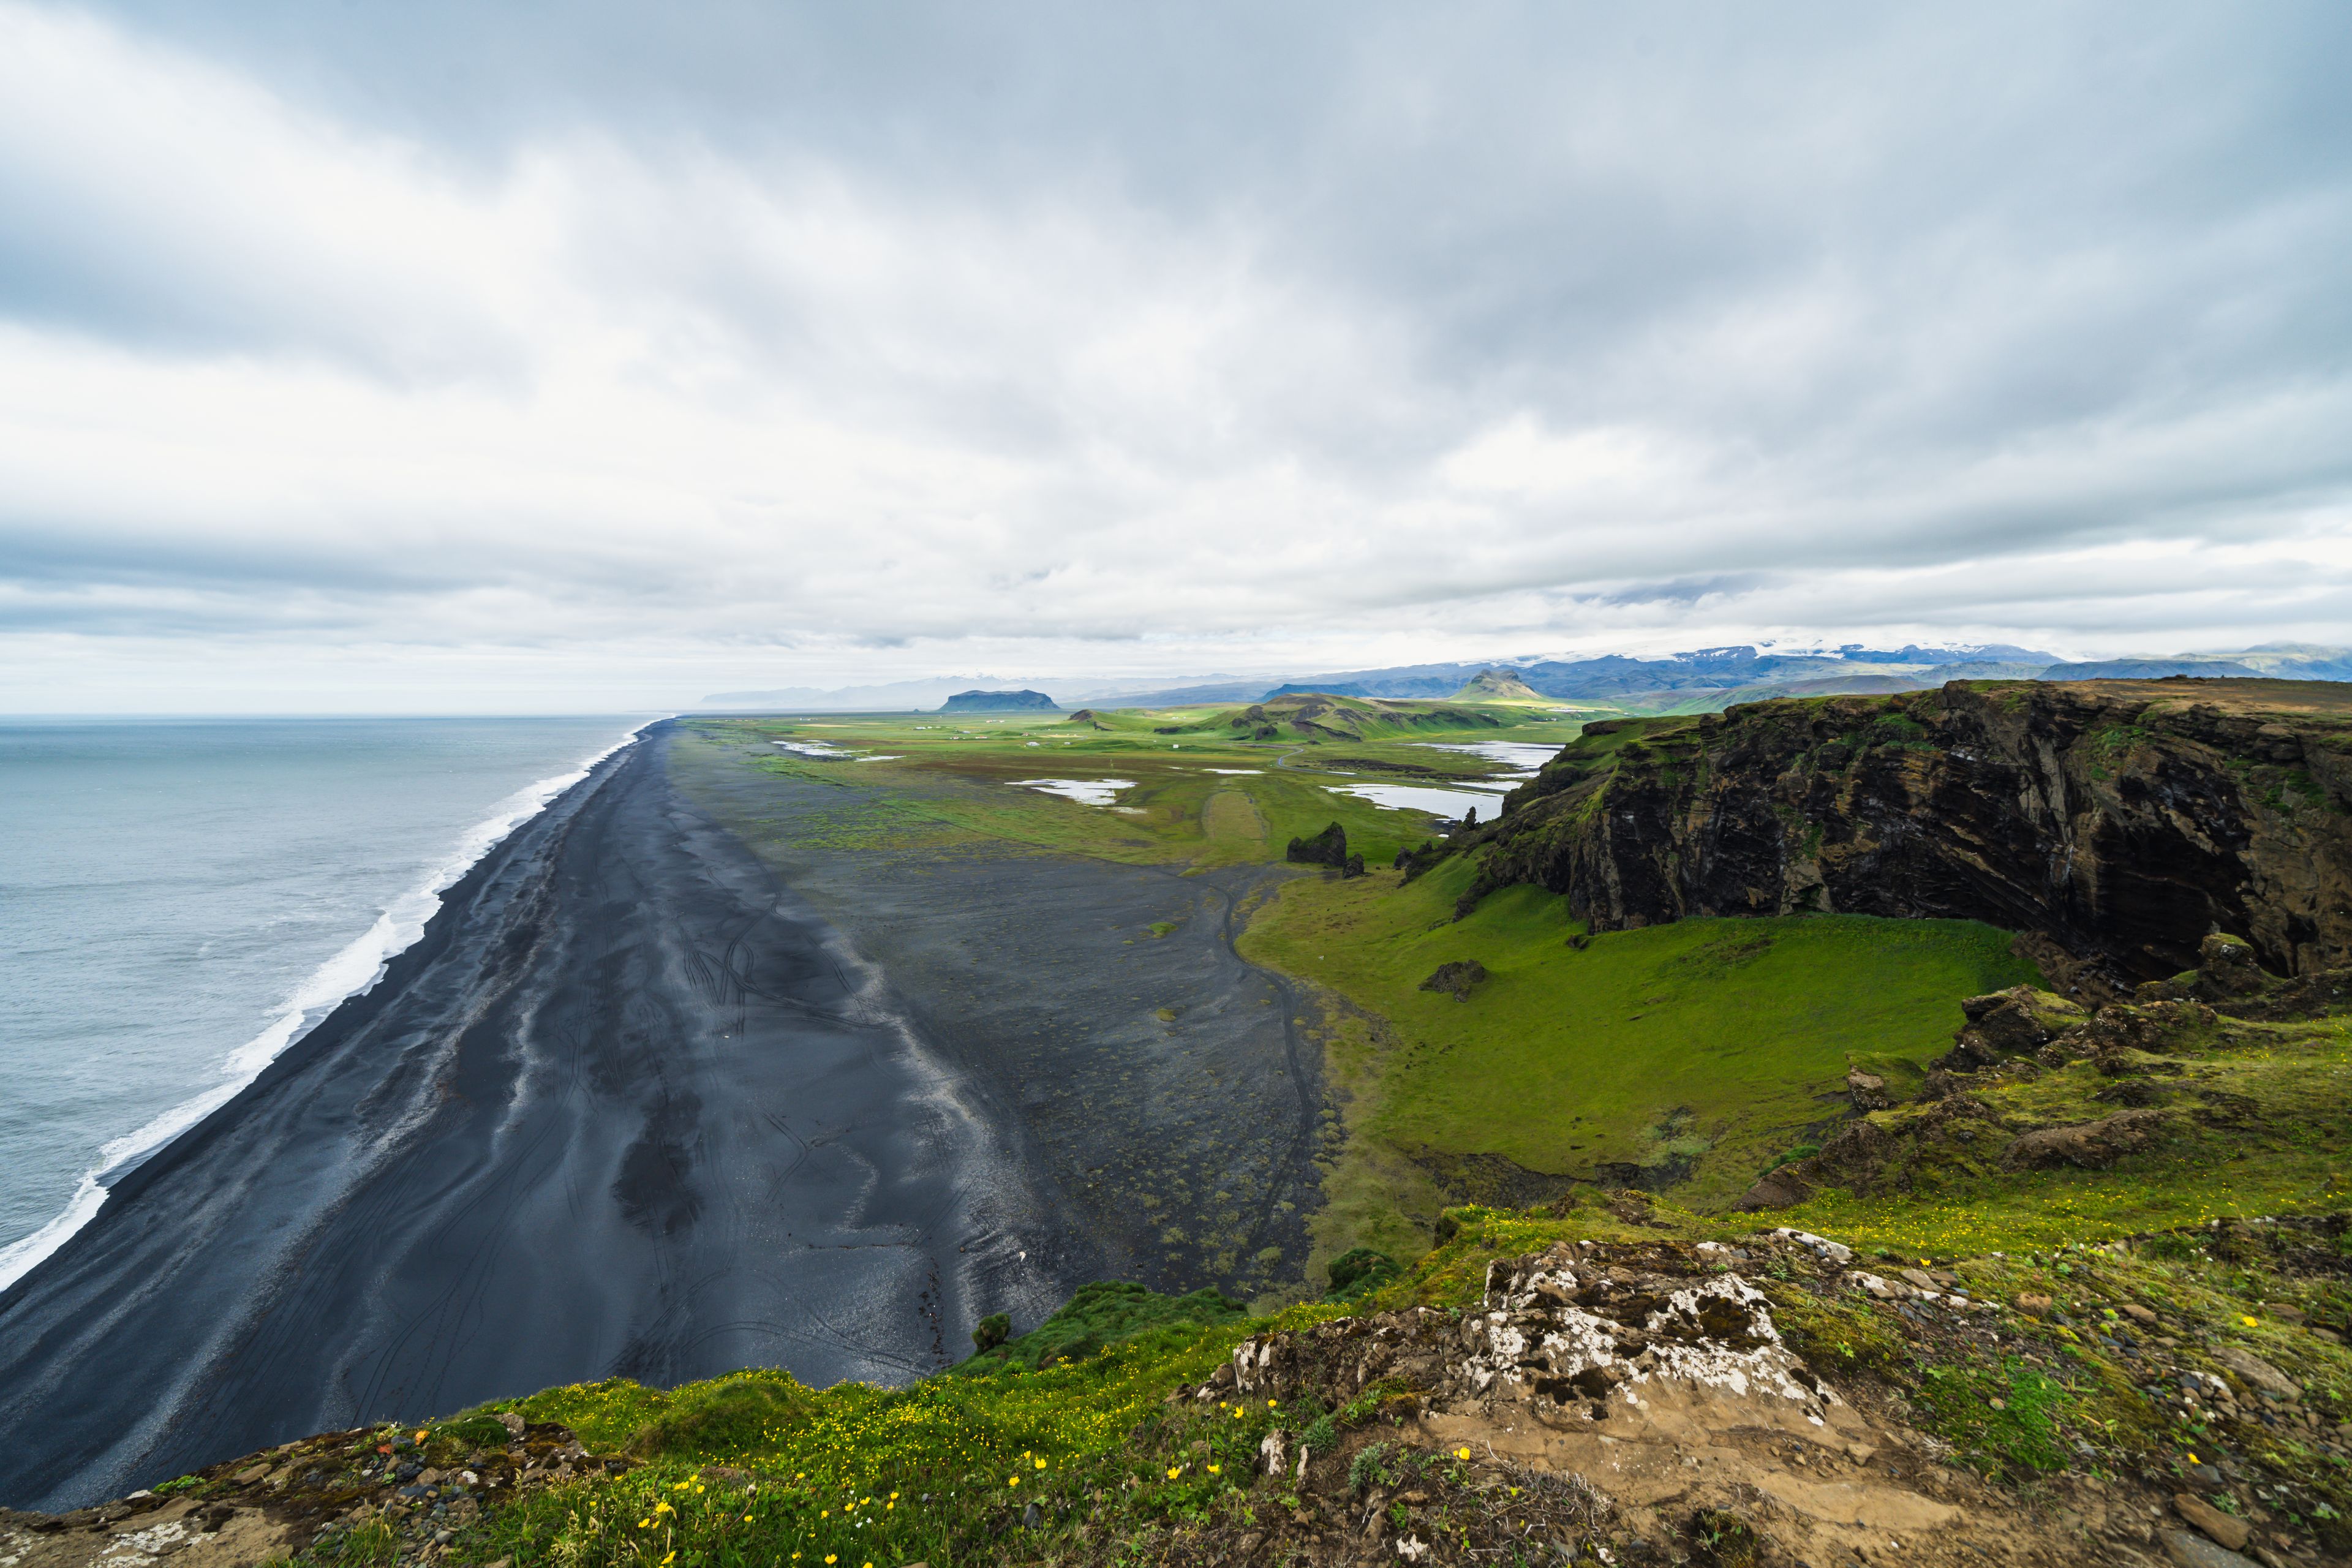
{"points": [[1213, 1469], [1462, 1453], [1041, 1464], [1175, 1470]]}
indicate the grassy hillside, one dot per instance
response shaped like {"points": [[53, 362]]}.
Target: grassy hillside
{"points": [[2253, 1118], [1697, 1051]]}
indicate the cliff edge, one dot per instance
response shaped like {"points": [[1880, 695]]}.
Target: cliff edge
{"points": [[2116, 824]]}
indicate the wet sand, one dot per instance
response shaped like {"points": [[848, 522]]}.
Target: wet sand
{"points": [[1185, 1145], [629, 1107]]}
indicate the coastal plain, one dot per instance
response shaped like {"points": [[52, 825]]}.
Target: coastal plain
{"points": [[1282, 1086], [1684, 1057]]}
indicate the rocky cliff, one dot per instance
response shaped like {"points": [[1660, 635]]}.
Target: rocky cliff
{"points": [[2116, 823]]}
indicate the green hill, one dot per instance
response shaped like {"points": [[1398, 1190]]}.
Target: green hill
{"points": [[1500, 686], [1320, 716]]}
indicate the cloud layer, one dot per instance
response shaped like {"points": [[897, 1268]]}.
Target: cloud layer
{"points": [[428, 357]]}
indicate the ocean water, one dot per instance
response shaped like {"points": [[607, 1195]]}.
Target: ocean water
{"points": [[181, 899]]}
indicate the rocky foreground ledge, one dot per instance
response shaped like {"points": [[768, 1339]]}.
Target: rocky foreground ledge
{"points": [[1771, 1399], [1640, 1404], [380, 1492]]}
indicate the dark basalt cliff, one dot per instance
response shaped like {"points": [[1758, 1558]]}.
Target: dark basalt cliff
{"points": [[2115, 822]]}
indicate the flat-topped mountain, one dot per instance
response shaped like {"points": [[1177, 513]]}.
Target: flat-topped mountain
{"points": [[1001, 702]]}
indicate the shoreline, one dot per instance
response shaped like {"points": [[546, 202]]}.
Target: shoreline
{"points": [[295, 1019], [624, 1107]]}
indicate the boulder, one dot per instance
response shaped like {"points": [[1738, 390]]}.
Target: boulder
{"points": [[1353, 867], [1868, 1091], [1778, 1189], [2093, 1145], [1456, 978], [1940, 1084], [2232, 1533], [1329, 847], [2011, 1022], [2186, 1551], [2258, 1371], [2226, 964], [1853, 1157]]}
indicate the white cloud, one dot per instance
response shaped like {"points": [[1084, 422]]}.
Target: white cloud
{"points": [[624, 401]]}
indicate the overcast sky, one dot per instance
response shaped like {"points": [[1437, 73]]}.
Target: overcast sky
{"points": [[439, 356]]}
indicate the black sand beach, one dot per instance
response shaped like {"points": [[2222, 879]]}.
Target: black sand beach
{"points": [[627, 1108], [1157, 1080]]}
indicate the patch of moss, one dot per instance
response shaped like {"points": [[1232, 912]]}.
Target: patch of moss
{"points": [[1100, 1315]]}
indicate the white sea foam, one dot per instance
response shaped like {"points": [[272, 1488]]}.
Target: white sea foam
{"points": [[351, 973]]}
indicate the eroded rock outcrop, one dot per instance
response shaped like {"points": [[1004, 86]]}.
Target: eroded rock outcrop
{"points": [[366, 1494], [2092, 1145], [1615, 1402], [2116, 823], [2155, 1053], [1456, 978], [1329, 847]]}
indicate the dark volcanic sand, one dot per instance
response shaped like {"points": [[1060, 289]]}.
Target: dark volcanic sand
{"points": [[1186, 1147], [627, 1108]]}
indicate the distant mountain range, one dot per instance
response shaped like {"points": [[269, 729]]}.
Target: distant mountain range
{"points": [[1700, 680]]}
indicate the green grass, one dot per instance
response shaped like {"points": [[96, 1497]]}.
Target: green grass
{"points": [[938, 1471], [1107, 1312], [1710, 1042], [2258, 1120], [955, 779], [754, 1468]]}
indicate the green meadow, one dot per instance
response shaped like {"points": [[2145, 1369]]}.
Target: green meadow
{"points": [[1696, 1051], [1204, 792]]}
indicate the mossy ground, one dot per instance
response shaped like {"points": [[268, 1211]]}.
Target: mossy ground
{"points": [[1697, 1051], [754, 1468], [2258, 1118]]}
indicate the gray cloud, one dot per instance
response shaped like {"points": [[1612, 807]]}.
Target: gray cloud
{"points": [[915, 328]]}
